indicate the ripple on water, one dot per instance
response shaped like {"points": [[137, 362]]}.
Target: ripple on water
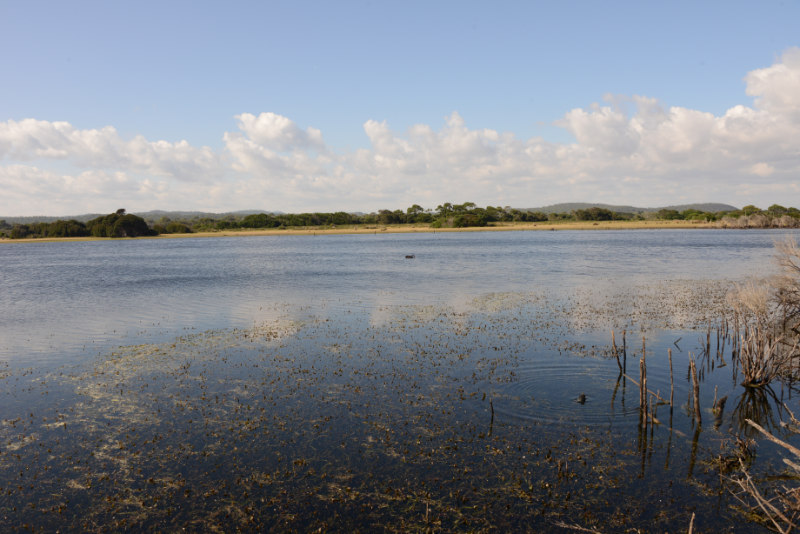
{"points": [[550, 390]]}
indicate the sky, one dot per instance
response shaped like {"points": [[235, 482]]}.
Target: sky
{"points": [[366, 105]]}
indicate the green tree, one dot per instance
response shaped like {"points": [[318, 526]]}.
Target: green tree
{"points": [[750, 210], [594, 214], [669, 215], [119, 224], [776, 210], [444, 210], [258, 220]]}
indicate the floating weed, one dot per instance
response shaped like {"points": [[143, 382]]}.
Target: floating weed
{"points": [[409, 422]]}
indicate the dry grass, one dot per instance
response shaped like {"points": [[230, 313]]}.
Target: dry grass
{"points": [[766, 318], [787, 284], [765, 348]]}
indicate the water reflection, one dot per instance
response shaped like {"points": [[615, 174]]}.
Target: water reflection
{"points": [[472, 390], [760, 405], [430, 417], [106, 293]]}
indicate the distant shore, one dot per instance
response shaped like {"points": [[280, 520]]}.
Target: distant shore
{"points": [[414, 228]]}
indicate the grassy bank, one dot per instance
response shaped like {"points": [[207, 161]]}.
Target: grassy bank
{"points": [[418, 228], [424, 228]]}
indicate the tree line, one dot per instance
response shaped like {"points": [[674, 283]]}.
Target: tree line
{"points": [[117, 224], [446, 215]]}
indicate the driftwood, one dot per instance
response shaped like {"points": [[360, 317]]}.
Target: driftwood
{"points": [[794, 450]]}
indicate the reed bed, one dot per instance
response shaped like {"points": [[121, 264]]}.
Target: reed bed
{"points": [[766, 334], [760, 331]]}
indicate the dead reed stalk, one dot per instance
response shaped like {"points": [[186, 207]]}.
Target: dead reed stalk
{"points": [[765, 348], [782, 510], [787, 285], [696, 390], [616, 354], [671, 382]]}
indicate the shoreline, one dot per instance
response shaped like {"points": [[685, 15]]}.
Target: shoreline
{"points": [[406, 229]]}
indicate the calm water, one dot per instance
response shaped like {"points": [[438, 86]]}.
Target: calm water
{"points": [[329, 383], [62, 302]]}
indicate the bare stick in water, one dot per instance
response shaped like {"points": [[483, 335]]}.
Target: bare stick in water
{"points": [[696, 387], [671, 383]]}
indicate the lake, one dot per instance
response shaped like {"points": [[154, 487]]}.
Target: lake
{"points": [[65, 301], [297, 383]]}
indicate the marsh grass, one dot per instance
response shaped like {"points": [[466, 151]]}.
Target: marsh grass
{"points": [[767, 325], [767, 345], [787, 284]]}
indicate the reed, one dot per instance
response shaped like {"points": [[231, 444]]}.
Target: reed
{"points": [[671, 382], [695, 390], [616, 354], [787, 284], [763, 344]]}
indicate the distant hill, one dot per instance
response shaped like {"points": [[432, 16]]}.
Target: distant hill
{"points": [[156, 215], [572, 206], [46, 218]]}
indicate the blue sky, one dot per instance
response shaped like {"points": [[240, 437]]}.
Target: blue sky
{"points": [[370, 105]]}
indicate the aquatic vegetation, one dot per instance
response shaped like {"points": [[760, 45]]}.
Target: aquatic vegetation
{"points": [[461, 417], [787, 284], [765, 317]]}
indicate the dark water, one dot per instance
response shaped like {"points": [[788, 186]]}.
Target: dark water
{"points": [[305, 383]]}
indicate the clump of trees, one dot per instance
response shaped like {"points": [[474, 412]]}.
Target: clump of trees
{"points": [[446, 215], [171, 227], [468, 214], [600, 214], [70, 228], [117, 224], [776, 216], [686, 215]]}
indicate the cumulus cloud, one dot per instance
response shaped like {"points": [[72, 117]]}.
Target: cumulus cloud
{"points": [[762, 169], [627, 149], [777, 88], [31, 140], [275, 132]]}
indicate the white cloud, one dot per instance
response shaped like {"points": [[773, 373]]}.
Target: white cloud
{"points": [[762, 169], [35, 140], [777, 88], [632, 150], [279, 133]]}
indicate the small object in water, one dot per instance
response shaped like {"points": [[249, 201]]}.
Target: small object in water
{"points": [[581, 398], [410, 256]]}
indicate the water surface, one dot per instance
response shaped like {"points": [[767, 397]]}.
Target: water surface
{"points": [[63, 301], [305, 383]]}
